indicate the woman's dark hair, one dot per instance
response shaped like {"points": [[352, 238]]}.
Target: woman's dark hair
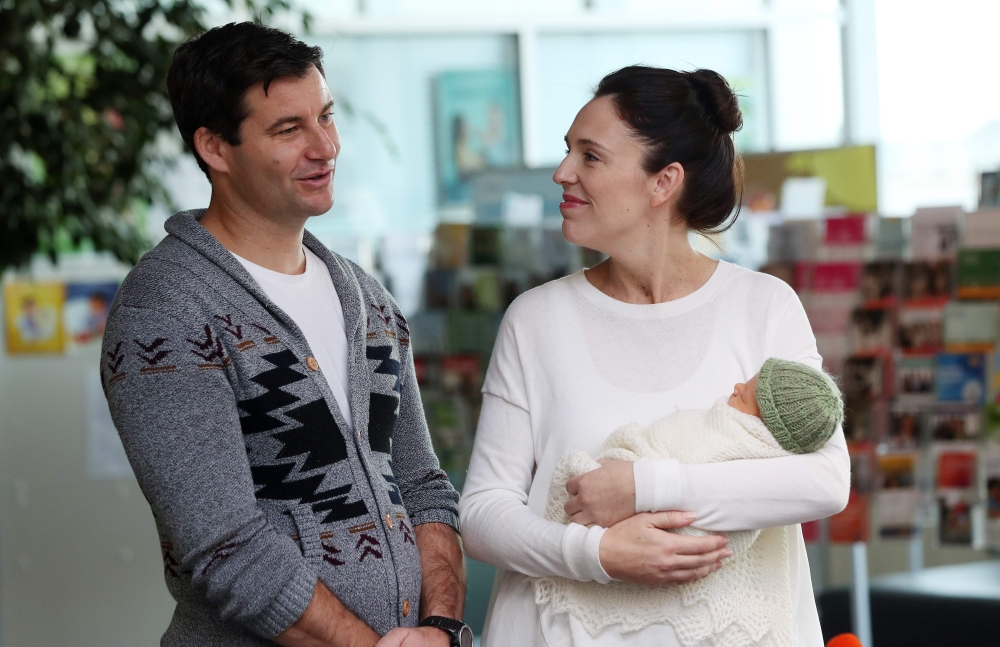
{"points": [[689, 118], [211, 73]]}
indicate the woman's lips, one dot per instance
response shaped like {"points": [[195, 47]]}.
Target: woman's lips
{"points": [[570, 202]]}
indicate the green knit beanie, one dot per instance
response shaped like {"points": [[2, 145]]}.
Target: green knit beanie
{"points": [[800, 406]]}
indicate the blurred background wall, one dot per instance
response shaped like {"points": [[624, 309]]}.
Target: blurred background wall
{"points": [[457, 236]]}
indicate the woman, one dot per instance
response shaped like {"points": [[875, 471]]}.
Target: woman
{"points": [[656, 327]]}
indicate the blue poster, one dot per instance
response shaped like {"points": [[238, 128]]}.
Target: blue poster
{"points": [[961, 377], [86, 310], [478, 127]]}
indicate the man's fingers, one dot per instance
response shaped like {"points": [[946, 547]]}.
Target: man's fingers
{"points": [[685, 545], [671, 519]]}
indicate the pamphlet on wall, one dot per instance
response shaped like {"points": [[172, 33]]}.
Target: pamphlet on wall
{"points": [[864, 378], [898, 499], [903, 430], [978, 274], [920, 330], [871, 331], [961, 377], [928, 282], [954, 422], [851, 525], [981, 229], [991, 468], [934, 233], [881, 284], [956, 492], [971, 327], [915, 379]]}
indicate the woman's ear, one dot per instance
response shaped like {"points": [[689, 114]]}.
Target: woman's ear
{"points": [[212, 149], [666, 184]]}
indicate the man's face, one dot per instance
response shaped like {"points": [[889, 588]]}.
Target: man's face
{"points": [[285, 162]]}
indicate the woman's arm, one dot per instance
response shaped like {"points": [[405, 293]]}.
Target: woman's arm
{"points": [[497, 525], [500, 529], [737, 495]]}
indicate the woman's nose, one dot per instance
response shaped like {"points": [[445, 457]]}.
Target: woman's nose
{"points": [[563, 175]]}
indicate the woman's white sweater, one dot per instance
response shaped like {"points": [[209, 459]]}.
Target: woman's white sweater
{"points": [[569, 365]]}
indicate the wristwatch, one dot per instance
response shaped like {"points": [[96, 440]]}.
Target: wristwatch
{"points": [[458, 632]]}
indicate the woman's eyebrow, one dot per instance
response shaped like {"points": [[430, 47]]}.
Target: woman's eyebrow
{"points": [[583, 141]]}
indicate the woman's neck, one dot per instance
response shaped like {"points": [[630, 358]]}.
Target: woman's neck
{"points": [[652, 274]]}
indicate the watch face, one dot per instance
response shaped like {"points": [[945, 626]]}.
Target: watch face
{"points": [[465, 638]]}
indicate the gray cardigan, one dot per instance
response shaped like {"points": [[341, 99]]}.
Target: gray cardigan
{"points": [[256, 485]]}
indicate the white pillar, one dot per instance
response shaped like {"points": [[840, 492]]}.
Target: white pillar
{"points": [[861, 117], [861, 611]]}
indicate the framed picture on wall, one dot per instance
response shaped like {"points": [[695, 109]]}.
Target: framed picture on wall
{"points": [[34, 317], [478, 127]]}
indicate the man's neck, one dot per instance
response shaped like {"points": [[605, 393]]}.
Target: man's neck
{"points": [[273, 245]]}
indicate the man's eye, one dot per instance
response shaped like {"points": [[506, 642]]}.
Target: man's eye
{"points": [[286, 131], [328, 117]]}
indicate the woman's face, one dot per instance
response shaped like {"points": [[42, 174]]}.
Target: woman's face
{"points": [[606, 192]]}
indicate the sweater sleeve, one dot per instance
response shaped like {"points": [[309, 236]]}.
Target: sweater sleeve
{"points": [[426, 491], [497, 526], [757, 493], [180, 427]]}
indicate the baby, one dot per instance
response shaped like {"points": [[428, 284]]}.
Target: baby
{"points": [[787, 408]]}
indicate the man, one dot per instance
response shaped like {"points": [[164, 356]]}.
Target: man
{"points": [[264, 387]]}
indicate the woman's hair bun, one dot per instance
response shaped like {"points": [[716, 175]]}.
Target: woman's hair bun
{"points": [[717, 98]]}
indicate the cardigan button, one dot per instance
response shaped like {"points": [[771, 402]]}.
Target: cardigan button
{"points": [[406, 608], [312, 363], [388, 521]]}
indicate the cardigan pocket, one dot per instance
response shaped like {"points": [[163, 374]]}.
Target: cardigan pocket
{"points": [[308, 531]]}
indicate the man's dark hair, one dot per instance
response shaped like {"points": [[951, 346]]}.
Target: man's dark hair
{"points": [[211, 73]]}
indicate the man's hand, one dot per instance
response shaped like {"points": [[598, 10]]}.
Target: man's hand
{"points": [[414, 637], [443, 567], [327, 623], [638, 550], [602, 497]]}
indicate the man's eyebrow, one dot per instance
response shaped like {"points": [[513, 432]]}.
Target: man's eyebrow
{"points": [[292, 119], [583, 141]]}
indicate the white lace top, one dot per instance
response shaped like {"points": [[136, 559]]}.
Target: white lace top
{"points": [[569, 366]]}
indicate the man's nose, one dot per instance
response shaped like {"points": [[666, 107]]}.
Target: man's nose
{"points": [[323, 146]]}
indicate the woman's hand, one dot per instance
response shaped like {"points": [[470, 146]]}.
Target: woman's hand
{"points": [[604, 496], [638, 550]]}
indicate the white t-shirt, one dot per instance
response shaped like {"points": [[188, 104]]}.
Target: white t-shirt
{"points": [[570, 366], [311, 300]]}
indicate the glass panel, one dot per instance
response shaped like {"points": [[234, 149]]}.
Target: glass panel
{"points": [[808, 87], [386, 178], [570, 66]]}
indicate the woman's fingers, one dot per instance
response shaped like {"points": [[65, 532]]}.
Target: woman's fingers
{"points": [[687, 545], [670, 519], [688, 562], [690, 575], [573, 485]]}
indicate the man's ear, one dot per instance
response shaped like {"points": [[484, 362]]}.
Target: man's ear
{"points": [[666, 184], [212, 149]]}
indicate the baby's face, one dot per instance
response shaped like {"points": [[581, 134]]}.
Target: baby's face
{"points": [[744, 397]]}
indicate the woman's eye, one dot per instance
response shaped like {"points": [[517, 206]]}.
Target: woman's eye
{"points": [[590, 157]]}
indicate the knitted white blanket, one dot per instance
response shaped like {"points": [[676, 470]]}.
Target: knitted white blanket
{"points": [[745, 603]]}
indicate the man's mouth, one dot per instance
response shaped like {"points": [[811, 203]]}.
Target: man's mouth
{"points": [[318, 179]]}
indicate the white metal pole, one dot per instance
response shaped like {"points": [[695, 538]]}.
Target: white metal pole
{"points": [[860, 599]]}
